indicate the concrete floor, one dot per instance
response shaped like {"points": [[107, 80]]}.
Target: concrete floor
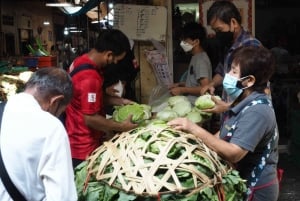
{"points": [[290, 185]]}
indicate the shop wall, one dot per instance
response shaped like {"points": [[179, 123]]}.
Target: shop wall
{"points": [[28, 17]]}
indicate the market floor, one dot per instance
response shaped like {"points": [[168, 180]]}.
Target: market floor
{"points": [[290, 185]]}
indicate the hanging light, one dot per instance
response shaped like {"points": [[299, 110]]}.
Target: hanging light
{"points": [[70, 9], [46, 23], [59, 4]]}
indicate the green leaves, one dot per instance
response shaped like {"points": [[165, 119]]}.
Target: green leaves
{"points": [[204, 102], [234, 186], [149, 156], [139, 112]]}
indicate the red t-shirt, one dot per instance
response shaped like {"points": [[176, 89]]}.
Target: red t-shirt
{"points": [[87, 99]]}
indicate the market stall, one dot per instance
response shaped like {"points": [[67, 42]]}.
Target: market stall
{"points": [[12, 79]]}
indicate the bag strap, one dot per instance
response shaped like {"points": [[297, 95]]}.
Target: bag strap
{"points": [[80, 68], [9, 185], [76, 70]]}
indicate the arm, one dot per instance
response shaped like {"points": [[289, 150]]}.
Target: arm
{"points": [[178, 84], [228, 151], [111, 91], [190, 90], [117, 89], [100, 123], [210, 87]]}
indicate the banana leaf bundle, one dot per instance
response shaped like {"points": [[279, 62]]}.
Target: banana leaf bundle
{"points": [[156, 162]]}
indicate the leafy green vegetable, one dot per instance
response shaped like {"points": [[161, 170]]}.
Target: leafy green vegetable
{"points": [[204, 102], [176, 99], [177, 157], [166, 115], [182, 108], [139, 112], [194, 116]]}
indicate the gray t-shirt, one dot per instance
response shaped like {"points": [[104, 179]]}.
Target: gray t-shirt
{"points": [[254, 128], [199, 67]]}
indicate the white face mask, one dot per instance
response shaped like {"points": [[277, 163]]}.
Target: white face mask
{"points": [[186, 46]]}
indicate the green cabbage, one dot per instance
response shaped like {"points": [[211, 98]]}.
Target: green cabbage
{"points": [[205, 102], [166, 115], [176, 99], [139, 112], [194, 116], [182, 108]]}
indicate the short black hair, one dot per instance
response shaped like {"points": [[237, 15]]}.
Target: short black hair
{"points": [[193, 30], [225, 11], [256, 61], [112, 40]]}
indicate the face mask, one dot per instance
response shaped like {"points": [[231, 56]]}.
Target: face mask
{"points": [[225, 38], [230, 85], [186, 46]]}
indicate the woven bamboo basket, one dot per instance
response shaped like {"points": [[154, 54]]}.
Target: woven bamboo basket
{"points": [[156, 160]]}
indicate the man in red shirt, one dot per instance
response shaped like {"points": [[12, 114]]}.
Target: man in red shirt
{"points": [[85, 116]]}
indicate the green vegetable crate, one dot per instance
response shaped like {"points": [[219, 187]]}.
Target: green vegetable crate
{"points": [[156, 162]]}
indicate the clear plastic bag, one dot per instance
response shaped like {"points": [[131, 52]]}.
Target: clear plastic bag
{"points": [[158, 98]]}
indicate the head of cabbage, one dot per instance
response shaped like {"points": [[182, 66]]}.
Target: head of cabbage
{"points": [[205, 102], [139, 112]]}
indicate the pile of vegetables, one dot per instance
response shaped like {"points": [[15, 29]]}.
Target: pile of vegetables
{"points": [[156, 162], [12, 84], [179, 106]]}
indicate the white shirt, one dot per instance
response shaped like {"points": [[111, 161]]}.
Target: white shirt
{"points": [[36, 152]]}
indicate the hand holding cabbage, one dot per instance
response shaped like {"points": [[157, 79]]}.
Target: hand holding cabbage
{"points": [[209, 104], [139, 113]]}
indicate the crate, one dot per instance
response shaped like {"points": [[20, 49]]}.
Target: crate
{"points": [[31, 62], [41, 62], [47, 61]]}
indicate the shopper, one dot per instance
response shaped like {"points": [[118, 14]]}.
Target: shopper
{"points": [[248, 138], [199, 72], [34, 143], [225, 19], [85, 116], [125, 71]]}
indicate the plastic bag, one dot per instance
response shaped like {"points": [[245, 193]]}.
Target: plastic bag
{"points": [[158, 98]]}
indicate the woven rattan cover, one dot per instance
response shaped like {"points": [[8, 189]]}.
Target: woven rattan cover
{"points": [[123, 162]]}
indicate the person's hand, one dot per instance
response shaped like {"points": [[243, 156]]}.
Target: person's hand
{"points": [[220, 106], [126, 101], [111, 91], [174, 85], [183, 124], [176, 91], [128, 124], [207, 88]]}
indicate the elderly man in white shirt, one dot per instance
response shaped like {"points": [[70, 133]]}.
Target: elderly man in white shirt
{"points": [[34, 143]]}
